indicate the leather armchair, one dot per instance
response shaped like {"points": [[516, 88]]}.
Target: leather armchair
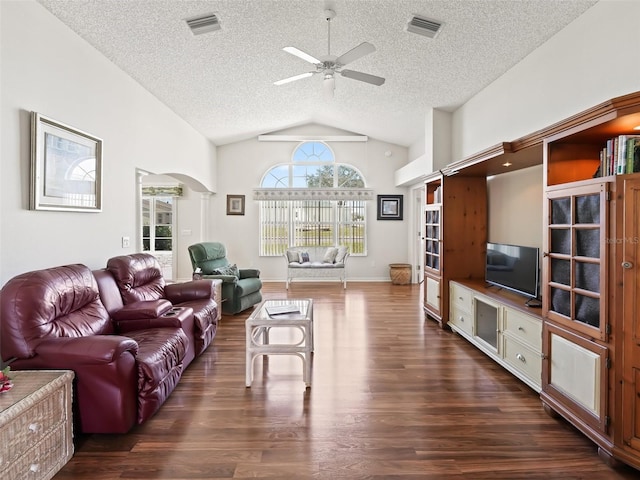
{"points": [[139, 279], [54, 319], [240, 291]]}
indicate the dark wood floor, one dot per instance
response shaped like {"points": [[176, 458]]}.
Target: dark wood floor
{"points": [[393, 397]]}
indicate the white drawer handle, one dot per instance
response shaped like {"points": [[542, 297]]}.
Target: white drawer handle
{"points": [[34, 467], [520, 357], [35, 427], [521, 329], [461, 318]]}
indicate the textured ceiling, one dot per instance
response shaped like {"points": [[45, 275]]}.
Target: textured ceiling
{"points": [[222, 82]]}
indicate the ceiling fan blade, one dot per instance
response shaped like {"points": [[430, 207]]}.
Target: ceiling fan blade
{"points": [[300, 54], [365, 48], [294, 78], [363, 77]]}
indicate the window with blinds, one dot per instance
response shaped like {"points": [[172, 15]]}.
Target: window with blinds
{"points": [[292, 222], [312, 222]]}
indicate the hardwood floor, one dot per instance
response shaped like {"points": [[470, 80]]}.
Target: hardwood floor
{"points": [[393, 397]]}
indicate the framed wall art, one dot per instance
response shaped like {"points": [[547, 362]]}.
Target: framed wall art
{"points": [[235, 204], [66, 167], [390, 207]]}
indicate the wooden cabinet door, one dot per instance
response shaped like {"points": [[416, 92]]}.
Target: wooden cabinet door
{"points": [[433, 295], [575, 376], [631, 315]]}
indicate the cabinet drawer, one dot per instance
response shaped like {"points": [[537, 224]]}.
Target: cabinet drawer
{"points": [[461, 318], [43, 460], [522, 358], [19, 434], [461, 296], [523, 327]]}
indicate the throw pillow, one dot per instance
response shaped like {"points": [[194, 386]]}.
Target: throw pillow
{"points": [[330, 255], [342, 253], [292, 256], [304, 257], [228, 270]]}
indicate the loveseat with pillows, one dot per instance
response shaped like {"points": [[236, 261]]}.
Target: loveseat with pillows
{"points": [[314, 262]]}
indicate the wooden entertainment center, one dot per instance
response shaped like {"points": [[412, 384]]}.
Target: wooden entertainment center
{"points": [[500, 324], [581, 350]]}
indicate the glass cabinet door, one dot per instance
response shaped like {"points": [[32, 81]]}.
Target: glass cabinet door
{"points": [[433, 230], [575, 259]]}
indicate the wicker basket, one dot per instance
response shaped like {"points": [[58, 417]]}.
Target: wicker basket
{"points": [[400, 273]]}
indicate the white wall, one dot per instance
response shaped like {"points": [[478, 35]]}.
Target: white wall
{"points": [[47, 68], [437, 149], [590, 61], [193, 212], [242, 165], [515, 202], [416, 149]]}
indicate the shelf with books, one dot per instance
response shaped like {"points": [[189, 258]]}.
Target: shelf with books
{"points": [[587, 145], [434, 191], [620, 156]]}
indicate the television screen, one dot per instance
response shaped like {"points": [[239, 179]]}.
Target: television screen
{"points": [[513, 267]]}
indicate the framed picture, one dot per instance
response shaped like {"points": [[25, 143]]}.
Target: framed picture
{"points": [[66, 167], [235, 204], [390, 207]]}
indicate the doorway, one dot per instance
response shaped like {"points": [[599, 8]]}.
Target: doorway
{"points": [[158, 227]]}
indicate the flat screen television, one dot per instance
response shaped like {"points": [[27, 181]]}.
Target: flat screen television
{"points": [[514, 267]]}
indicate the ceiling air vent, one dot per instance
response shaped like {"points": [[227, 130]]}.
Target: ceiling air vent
{"points": [[203, 24], [423, 26]]}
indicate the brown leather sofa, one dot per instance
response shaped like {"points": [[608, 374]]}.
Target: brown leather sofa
{"points": [[127, 358]]}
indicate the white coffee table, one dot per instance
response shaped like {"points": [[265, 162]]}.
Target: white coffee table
{"points": [[260, 323]]}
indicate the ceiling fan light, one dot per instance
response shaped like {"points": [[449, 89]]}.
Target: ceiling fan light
{"points": [[330, 65], [328, 86]]}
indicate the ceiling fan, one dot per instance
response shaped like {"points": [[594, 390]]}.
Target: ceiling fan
{"points": [[329, 65]]}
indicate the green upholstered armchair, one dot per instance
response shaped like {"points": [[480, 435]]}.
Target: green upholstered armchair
{"points": [[240, 286]]}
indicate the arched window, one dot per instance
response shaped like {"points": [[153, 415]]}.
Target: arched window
{"points": [[312, 200]]}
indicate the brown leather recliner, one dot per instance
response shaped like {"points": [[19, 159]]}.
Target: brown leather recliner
{"points": [[54, 319], [144, 314], [139, 278]]}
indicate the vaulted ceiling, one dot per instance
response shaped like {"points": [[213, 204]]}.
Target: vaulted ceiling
{"points": [[222, 82]]}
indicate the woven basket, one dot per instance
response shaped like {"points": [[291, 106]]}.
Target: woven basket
{"points": [[400, 273]]}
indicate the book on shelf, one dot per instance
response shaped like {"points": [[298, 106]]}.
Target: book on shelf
{"points": [[633, 155], [437, 195], [620, 155]]}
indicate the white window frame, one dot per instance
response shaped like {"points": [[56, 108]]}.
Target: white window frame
{"points": [[281, 214], [153, 224]]}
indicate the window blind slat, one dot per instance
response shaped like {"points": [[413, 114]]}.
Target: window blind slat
{"points": [[311, 223]]}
